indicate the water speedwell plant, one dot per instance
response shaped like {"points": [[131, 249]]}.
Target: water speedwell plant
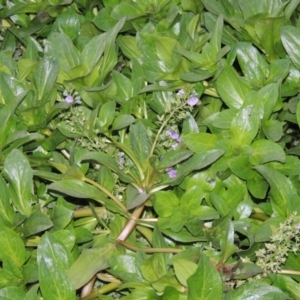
{"points": [[149, 150]]}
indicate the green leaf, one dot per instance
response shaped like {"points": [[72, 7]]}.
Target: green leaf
{"points": [[44, 77], [165, 203], [128, 9], [37, 222], [184, 269], [252, 291], [18, 173], [139, 141], [278, 70], [124, 86], [244, 126], [273, 129], [173, 158], [12, 247], [154, 267], [258, 187], [224, 118], [268, 32], [284, 196], [93, 51], [125, 267], [122, 121], [53, 260], [77, 188], [106, 160], [89, 263], [290, 37], [269, 95], [241, 167], [252, 64], [12, 292], [11, 93], [106, 115], [7, 213], [68, 23], [231, 88], [227, 240], [265, 151], [288, 285], [206, 282], [200, 142], [61, 47]]}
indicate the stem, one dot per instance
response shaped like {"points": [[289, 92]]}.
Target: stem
{"points": [[259, 216], [163, 125], [150, 250], [130, 153], [103, 290], [86, 290], [130, 224], [87, 212], [289, 272], [109, 194]]}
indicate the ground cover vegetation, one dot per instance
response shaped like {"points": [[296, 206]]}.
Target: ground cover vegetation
{"points": [[149, 149]]}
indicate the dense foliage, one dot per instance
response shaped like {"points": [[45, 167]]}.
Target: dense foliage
{"points": [[150, 149]]}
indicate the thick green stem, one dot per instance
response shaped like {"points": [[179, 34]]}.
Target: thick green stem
{"points": [[150, 250], [87, 212], [109, 194], [103, 290]]}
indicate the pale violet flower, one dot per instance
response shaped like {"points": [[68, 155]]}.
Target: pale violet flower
{"points": [[69, 99], [192, 101], [173, 135], [181, 92], [171, 172]]}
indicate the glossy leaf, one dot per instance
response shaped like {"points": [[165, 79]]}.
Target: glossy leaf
{"points": [[6, 211], [290, 38], [283, 193], [200, 142], [184, 269], [265, 151], [139, 141], [44, 77], [12, 292], [37, 222], [258, 291], [61, 47], [206, 282], [164, 203], [13, 247], [244, 126], [231, 88], [76, 188], [53, 260], [89, 263], [252, 63], [18, 172]]}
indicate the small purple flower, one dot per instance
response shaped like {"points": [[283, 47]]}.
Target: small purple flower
{"points": [[192, 101], [69, 99], [171, 172], [181, 92], [173, 134]]}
